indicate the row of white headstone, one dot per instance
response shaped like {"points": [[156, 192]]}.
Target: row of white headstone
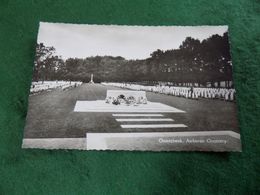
{"points": [[187, 92], [46, 85]]}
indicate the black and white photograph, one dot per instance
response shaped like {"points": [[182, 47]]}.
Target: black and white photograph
{"points": [[144, 88]]}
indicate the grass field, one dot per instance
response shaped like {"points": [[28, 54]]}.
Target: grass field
{"points": [[50, 114]]}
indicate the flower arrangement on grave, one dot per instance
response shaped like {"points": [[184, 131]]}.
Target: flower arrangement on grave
{"points": [[123, 100]]}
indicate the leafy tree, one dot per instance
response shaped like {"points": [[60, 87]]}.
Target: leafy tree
{"points": [[194, 62], [46, 63]]}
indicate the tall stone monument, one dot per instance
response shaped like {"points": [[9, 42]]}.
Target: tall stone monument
{"points": [[91, 79]]}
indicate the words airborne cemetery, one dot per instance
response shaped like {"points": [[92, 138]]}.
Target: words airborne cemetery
{"points": [[109, 87]]}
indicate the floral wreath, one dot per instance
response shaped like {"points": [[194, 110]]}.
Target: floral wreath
{"points": [[123, 100]]}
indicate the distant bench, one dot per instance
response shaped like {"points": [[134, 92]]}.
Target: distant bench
{"points": [[126, 94]]}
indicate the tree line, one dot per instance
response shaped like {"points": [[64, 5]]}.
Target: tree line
{"points": [[195, 61]]}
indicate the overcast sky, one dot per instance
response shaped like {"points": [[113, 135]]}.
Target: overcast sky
{"points": [[130, 42]]}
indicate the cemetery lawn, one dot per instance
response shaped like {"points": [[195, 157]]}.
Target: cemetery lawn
{"points": [[50, 114]]}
